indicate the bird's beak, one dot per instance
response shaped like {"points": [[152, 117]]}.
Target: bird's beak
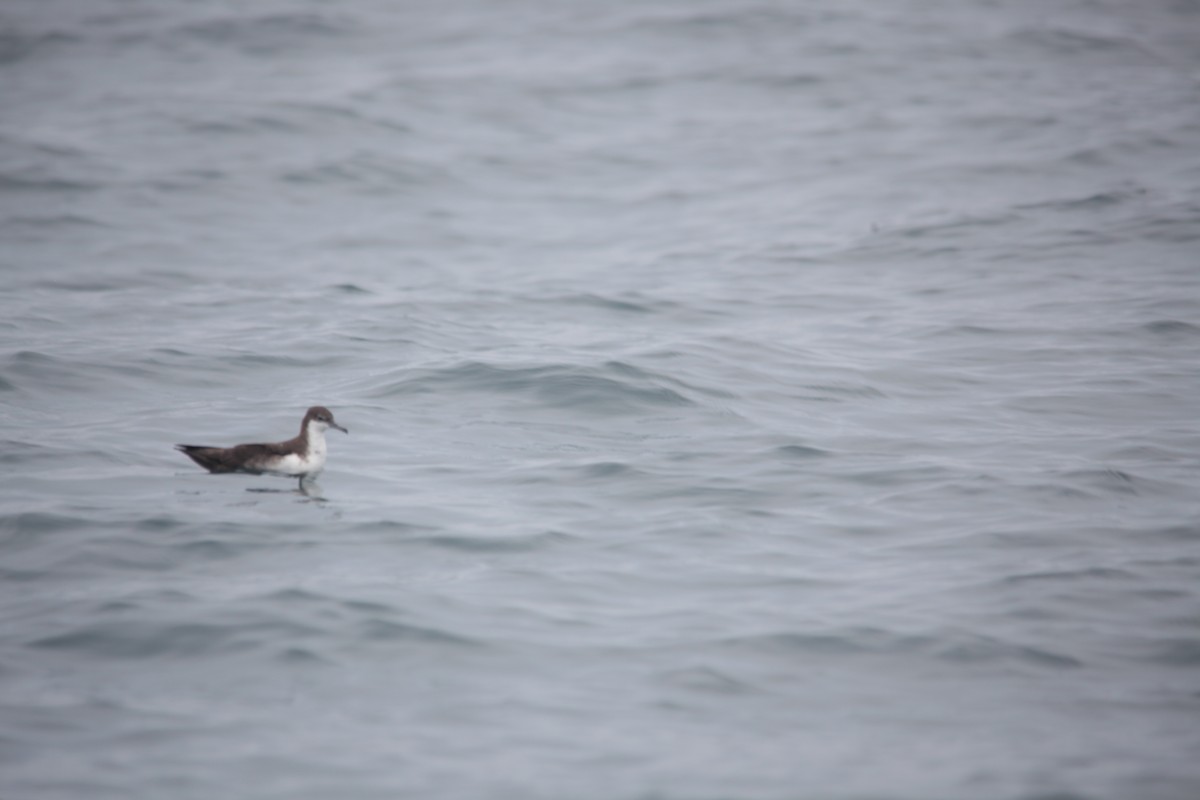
{"points": [[339, 427]]}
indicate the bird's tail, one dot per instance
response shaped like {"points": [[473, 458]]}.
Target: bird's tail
{"points": [[207, 457]]}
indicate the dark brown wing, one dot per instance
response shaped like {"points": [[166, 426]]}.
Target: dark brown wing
{"points": [[213, 459], [239, 458]]}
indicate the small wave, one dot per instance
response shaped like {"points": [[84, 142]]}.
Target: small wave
{"points": [[625, 305], [303, 598], [957, 331], [35, 371], [31, 524], [381, 630], [799, 452], [275, 360], [268, 33], [707, 679], [865, 640], [607, 469], [614, 388], [8, 575], [838, 392], [1178, 653], [1088, 202], [1109, 480], [943, 231], [367, 173], [390, 526], [1071, 575], [956, 647], [630, 371], [786, 80], [738, 21], [493, 544], [42, 369], [1171, 327], [30, 357], [367, 606], [986, 650], [344, 113], [1177, 533], [215, 549], [152, 599], [34, 182], [300, 656], [53, 222], [90, 284], [198, 366], [350, 288], [160, 524], [136, 640], [1060, 42], [18, 46], [296, 596], [230, 124]]}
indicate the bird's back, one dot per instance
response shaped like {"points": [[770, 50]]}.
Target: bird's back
{"points": [[241, 458]]}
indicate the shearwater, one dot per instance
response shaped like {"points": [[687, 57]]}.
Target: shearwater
{"points": [[302, 456]]}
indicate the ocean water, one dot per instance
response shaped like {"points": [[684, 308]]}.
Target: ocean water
{"points": [[748, 399]]}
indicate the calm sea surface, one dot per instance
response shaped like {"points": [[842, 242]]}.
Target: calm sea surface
{"points": [[748, 399]]}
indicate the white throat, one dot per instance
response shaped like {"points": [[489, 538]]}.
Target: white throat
{"points": [[316, 440]]}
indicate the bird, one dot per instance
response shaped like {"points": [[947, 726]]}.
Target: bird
{"points": [[302, 456]]}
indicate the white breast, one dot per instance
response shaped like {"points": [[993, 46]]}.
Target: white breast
{"points": [[308, 463]]}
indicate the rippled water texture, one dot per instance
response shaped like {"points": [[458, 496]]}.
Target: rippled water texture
{"points": [[748, 399]]}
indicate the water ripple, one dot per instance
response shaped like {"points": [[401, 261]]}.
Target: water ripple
{"points": [[614, 388]]}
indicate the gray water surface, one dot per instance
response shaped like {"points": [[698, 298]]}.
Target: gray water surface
{"points": [[748, 399]]}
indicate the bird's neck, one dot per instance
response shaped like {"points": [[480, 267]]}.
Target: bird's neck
{"points": [[314, 437]]}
